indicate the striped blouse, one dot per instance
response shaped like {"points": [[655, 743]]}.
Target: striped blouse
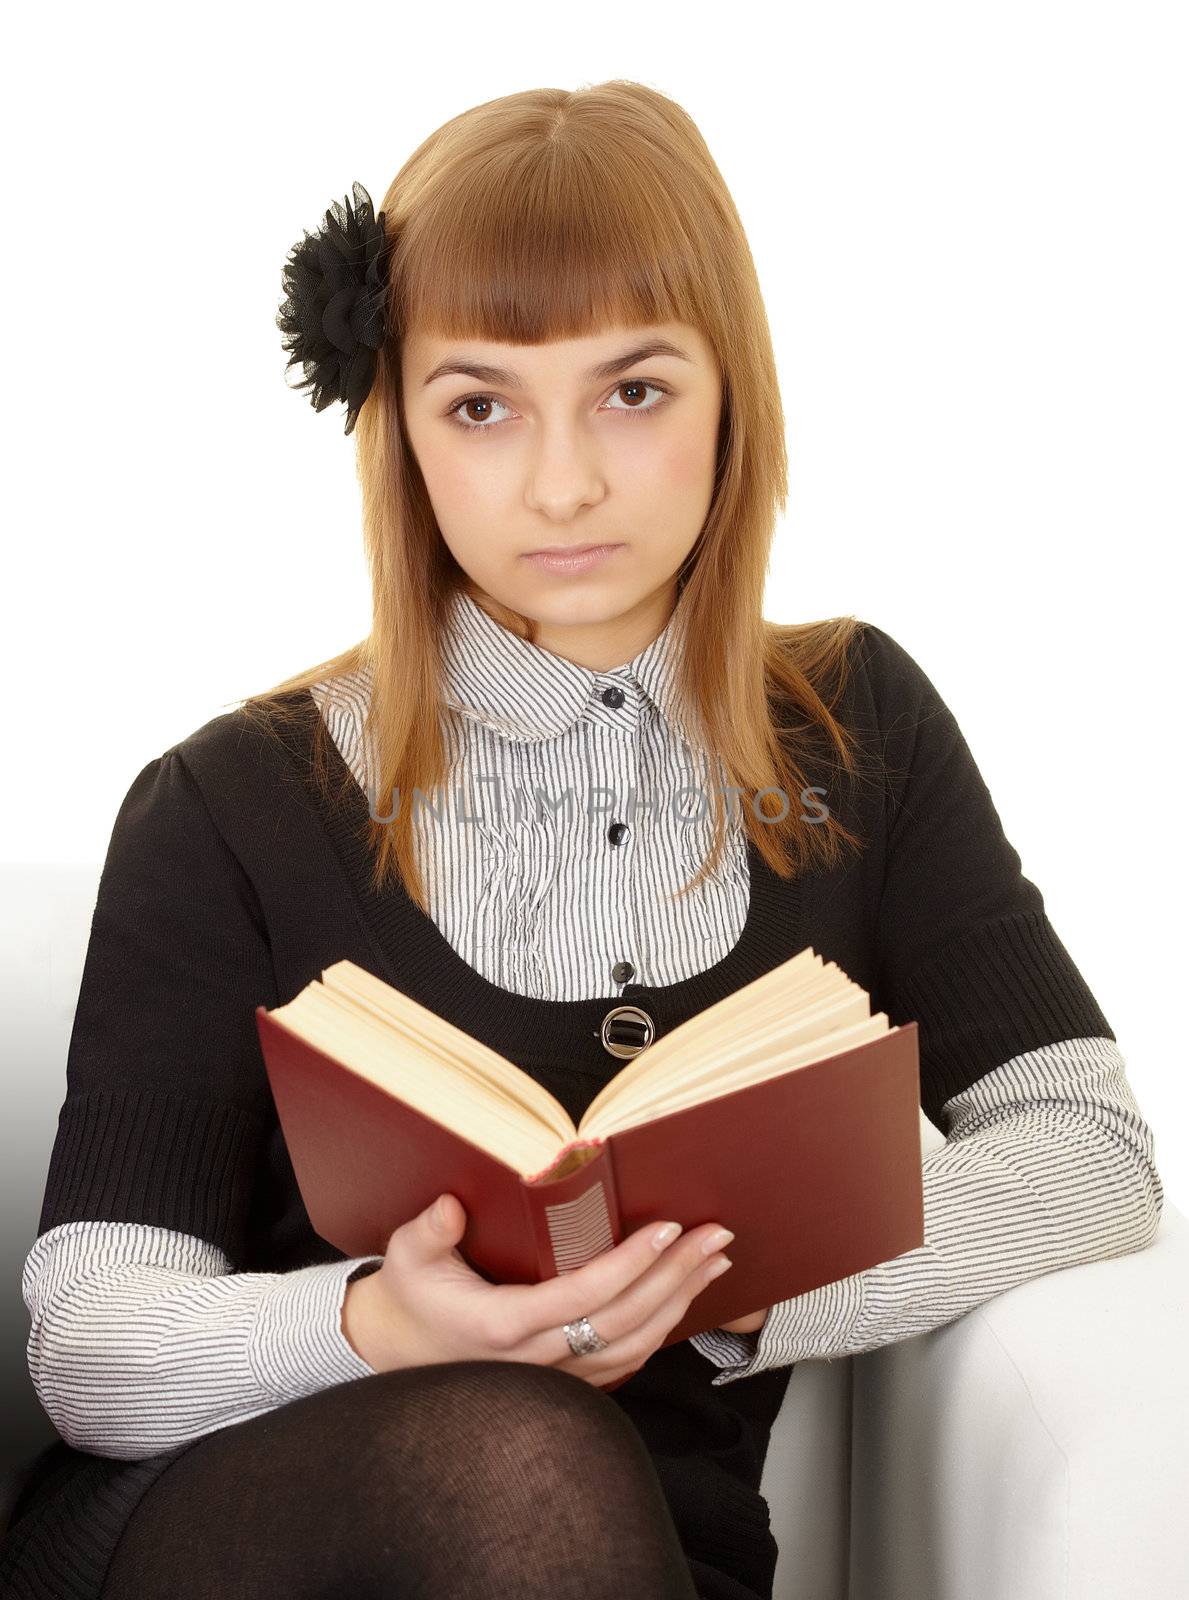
{"points": [[543, 755]]}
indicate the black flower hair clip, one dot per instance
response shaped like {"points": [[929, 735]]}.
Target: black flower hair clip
{"points": [[332, 317]]}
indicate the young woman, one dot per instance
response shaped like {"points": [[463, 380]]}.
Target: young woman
{"points": [[642, 795]]}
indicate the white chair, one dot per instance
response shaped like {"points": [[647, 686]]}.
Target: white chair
{"points": [[1035, 1449]]}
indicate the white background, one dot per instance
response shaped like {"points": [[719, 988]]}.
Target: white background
{"points": [[970, 229]]}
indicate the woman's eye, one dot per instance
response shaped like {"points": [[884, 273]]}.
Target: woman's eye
{"points": [[480, 401], [639, 385], [485, 402]]}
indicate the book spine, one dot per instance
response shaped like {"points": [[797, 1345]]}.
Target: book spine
{"points": [[575, 1217]]}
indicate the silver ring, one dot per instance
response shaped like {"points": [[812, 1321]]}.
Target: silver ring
{"points": [[582, 1338]]}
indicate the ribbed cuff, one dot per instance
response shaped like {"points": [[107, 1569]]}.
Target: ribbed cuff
{"points": [[160, 1159], [297, 1345], [1004, 988]]}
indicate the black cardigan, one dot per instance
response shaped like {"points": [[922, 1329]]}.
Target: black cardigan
{"points": [[229, 883]]}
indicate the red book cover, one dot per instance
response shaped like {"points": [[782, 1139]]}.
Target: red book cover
{"points": [[816, 1170]]}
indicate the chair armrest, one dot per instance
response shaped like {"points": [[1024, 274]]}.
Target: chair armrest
{"points": [[806, 1482], [1037, 1447]]}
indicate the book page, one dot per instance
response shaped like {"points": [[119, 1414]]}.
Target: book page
{"points": [[803, 1010], [478, 1063], [424, 1077], [627, 1111], [711, 1043]]}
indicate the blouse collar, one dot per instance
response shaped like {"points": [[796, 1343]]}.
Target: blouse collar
{"points": [[524, 692]]}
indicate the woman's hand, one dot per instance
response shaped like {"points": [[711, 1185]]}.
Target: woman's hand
{"points": [[749, 1324], [425, 1304]]}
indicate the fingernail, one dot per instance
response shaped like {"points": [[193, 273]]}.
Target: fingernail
{"points": [[716, 1241], [719, 1267], [665, 1235]]}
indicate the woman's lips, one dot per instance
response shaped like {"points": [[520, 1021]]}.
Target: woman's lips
{"points": [[573, 561]]}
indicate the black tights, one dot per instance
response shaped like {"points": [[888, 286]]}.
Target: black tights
{"points": [[456, 1481]]}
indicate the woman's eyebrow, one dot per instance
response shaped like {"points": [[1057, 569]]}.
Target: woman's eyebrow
{"points": [[602, 369]]}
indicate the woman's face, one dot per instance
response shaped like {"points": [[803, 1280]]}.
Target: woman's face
{"points": [[608, 439]]}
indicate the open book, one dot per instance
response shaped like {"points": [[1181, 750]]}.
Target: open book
{"points": [[786, 1111]]}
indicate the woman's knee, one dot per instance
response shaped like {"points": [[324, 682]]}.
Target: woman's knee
{"points": [[502, 1412], [347, 1489]]}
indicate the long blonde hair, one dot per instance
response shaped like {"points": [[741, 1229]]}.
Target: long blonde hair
{"points": [[549, 215]]}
